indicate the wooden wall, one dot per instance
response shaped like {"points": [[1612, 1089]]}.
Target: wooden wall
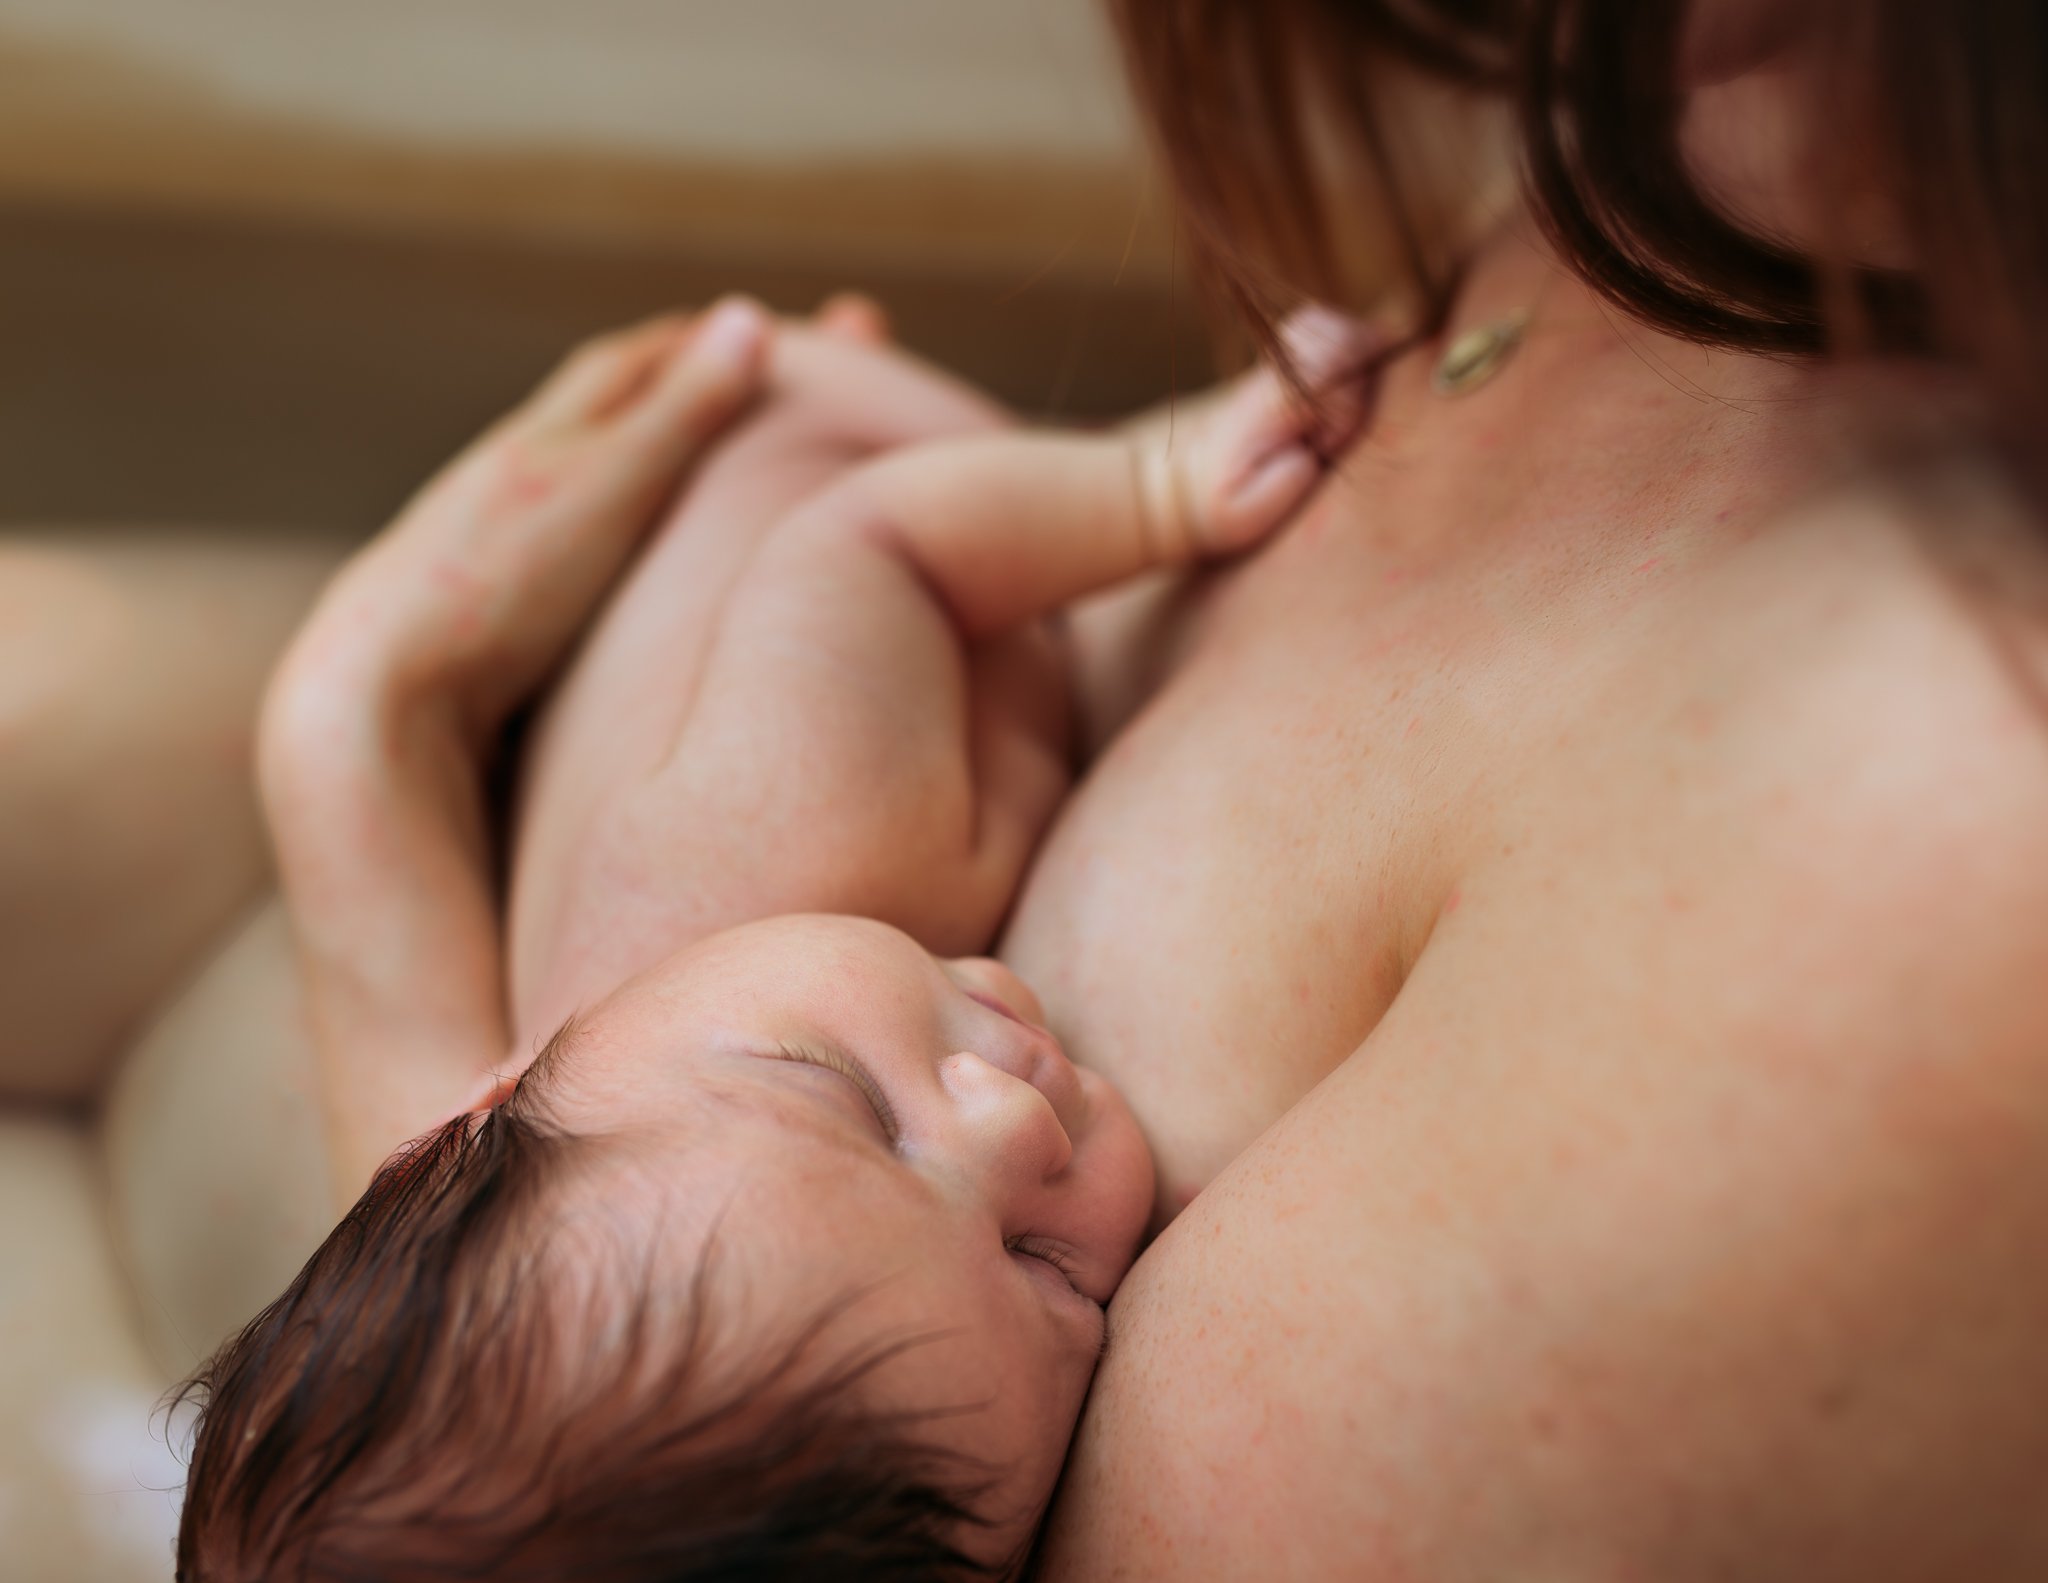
{"points": [[265, 263]]}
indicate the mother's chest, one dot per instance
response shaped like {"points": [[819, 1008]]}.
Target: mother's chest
{"points": [[1230, 900]]}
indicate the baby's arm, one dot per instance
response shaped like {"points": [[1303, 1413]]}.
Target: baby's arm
{"points": [[1006, 528], [882, 723], [596, 803], [1009, 526]]}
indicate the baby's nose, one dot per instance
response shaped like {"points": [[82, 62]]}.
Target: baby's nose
{"points": [[1013, 1137], [1015, 996]]}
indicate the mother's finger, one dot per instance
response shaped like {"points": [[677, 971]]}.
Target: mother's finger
{"points": [[507, 577], [853, 316], [703, 380], [604, 371]]}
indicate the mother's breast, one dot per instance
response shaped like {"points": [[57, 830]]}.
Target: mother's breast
{"points": [[1310, 1375], [1663, 1225], [1226, 904]]}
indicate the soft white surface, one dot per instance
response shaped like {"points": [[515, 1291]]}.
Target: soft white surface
{"points": [[127, 1478], [88, 1488], [775, 80]]}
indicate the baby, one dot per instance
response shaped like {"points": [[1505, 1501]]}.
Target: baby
{"points": [[787, 1254]]}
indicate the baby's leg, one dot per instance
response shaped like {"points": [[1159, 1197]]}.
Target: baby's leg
{"points": [[836, 397], [130, 665]]}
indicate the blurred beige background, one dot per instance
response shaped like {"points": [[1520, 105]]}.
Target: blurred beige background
{"points": [[267, 260]]}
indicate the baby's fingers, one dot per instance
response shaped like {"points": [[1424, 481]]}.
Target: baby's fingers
{"points": [[1258, 454]]}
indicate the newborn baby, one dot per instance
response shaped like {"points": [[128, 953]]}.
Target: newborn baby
{"points": [[787, 1254]]}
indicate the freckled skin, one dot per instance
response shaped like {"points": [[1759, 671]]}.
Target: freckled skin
{"points": [[1605, 1210], [1591, 1277], [829, 688], [523, 486]]}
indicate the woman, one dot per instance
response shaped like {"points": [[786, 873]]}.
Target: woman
{"points": [[1567, 914], [1571, 910]]}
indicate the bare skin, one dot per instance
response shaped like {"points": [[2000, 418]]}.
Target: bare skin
{"points": [[130, 664], [1572, 910], [1574, 904], [863, 708], [872, 723]]}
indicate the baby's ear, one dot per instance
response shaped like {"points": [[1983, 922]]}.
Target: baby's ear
{"points": [[1250, 461]]}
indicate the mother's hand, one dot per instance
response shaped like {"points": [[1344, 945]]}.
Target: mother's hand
{"points": [[377, 724], [476, 589]]}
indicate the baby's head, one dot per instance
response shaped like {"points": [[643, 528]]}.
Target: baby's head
{"points": [[787, 1259]]}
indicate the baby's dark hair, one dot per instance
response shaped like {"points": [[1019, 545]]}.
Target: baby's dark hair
{"points": [[426, 1401]]}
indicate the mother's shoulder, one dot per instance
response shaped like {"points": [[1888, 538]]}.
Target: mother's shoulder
{"points": [[1877, 651], [1724, 1068], [1841, 726], [1880, 653]]}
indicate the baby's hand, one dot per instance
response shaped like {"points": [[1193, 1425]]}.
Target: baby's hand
{"points": [[1008, 527], [1220, 473]]}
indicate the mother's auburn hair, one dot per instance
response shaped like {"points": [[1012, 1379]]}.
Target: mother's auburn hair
{"points": [[1945, 104]]}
